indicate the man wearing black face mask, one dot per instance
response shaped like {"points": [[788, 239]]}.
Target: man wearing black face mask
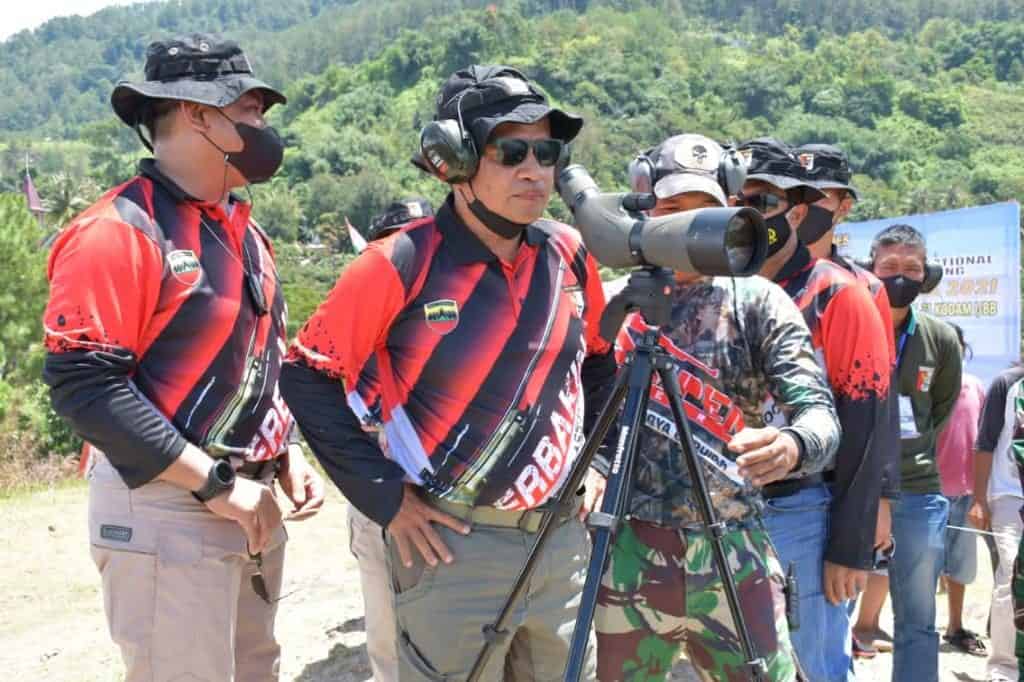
{"points": [[165, 330], [928, 373], [828, 169], [471, 339], [817, 523]]}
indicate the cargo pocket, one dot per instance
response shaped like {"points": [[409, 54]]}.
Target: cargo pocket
{"points": [[193, 610], [407, 583], [412, 660]]}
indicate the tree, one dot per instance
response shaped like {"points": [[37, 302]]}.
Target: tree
{"points": [[23, 296]]}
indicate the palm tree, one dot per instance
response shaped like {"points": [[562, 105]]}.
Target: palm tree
{"points": [[65, 196]]}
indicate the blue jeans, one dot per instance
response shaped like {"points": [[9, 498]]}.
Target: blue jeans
{"points": [[919, 527], [798, 527]]}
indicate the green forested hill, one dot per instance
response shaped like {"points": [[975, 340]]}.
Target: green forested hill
{"points": [[927, 96]]}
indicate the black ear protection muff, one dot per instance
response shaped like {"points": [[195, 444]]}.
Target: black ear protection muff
{"points": [[932, 273], [448, 149], [731, 173]]}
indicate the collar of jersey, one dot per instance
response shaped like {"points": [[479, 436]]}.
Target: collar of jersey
{"points": [[798, 262], [464, 246], [238, 218]]}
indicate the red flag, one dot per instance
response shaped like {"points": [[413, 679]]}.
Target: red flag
{"points": [[34, 203]]}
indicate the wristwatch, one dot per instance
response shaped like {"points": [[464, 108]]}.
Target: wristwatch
{"points": [[220, 479]]}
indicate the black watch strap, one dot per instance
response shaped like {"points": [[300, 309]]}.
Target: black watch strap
{"points": [[220, 479]]}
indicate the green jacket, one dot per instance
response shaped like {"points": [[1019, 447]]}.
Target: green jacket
{"points": [[929, 373]]}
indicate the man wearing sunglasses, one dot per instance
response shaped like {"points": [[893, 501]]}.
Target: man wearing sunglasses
{"points": [[732, 341], [817, 523], [165, 332], [471, 339]]}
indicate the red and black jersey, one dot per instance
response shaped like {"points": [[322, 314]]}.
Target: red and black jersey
{"points": [[850, 341], [151, 273], [471, 365], [891, 476], [877, 290]]}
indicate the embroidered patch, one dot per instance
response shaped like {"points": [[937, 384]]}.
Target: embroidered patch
{"points": [[442, 316], [807, 161], [116, 533], [184, 266], [924, 378]]}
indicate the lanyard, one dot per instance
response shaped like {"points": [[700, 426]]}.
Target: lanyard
{"points": [[899, 348], [908, 330]]}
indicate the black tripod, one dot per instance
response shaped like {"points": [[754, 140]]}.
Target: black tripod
{"points": [[632, 387]]}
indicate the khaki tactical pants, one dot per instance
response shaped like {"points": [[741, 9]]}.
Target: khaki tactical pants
{"points": [[176, 585], [366, 541], [441, 611]]}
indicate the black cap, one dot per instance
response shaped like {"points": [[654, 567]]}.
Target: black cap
{"points": [[486, 96], [398, 213], [199, 68], [826, 166], [774, 162]]}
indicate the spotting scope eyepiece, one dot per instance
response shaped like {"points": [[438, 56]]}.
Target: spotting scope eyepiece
{"points": [[706, 241]]}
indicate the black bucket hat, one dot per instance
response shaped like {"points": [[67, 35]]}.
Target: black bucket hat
{"points": [[487, 96], [827, 167], [774, 162], [199, 68]]}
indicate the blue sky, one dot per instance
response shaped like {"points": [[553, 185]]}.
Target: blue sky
{"points": [[16, 15]]}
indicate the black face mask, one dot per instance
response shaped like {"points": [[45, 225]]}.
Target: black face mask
{"points": [[817, 223], [778, 233], [261, 155], [498, 224], [901, 290]]}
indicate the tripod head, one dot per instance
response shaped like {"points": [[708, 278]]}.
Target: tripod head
{"points": [[649, 292]]}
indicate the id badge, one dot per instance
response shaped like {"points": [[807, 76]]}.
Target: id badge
{"points": [[908, 426]]}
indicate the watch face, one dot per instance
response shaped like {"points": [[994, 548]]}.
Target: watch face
{"points": [[224, 472]]}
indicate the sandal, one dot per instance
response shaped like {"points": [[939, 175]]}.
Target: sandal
{"points": [[966, 641]]}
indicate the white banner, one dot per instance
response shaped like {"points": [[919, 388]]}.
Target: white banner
{"points": [[979, 249]]}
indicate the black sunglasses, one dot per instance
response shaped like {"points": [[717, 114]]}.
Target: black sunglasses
{"points": [[512, 151], [259, 583], [763, 203]]}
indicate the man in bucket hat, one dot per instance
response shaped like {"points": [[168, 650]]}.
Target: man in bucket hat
{"points": [[165, 329], [824, 525], [472, 339]]}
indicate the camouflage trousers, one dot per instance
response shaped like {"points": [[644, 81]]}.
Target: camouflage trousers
{"points": [[661, 592]]}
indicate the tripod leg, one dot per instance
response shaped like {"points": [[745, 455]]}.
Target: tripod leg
{"points": [[613, 507], [495, 632], [713, 528]]}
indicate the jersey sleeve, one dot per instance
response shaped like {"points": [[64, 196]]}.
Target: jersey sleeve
{"points": [[104, 287], [105, 279], [796, 380]]}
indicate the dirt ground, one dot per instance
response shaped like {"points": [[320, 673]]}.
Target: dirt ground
{"points": [[51, 611]]}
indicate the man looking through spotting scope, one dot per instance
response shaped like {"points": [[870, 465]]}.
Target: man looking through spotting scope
{"points": [[818, 522], [731, 341], [483, 325]]}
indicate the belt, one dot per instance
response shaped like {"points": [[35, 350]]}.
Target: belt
{"points": [[791, 486], [527, 521]]}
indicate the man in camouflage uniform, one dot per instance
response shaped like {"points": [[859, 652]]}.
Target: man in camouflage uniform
{"points": [[733, 342]]}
